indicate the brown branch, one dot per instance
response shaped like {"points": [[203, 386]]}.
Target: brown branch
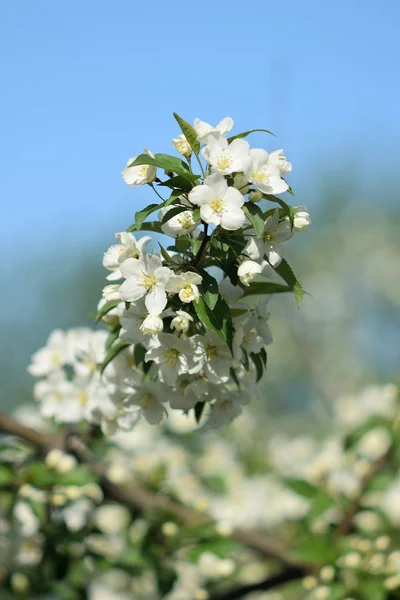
{"points": [[290, 574], [135, 496]]}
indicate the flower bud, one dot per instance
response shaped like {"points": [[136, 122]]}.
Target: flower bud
{"points": [[301, 219], [255, 196], [181, 145], [151, 325], [248, 270], [111, 292], [182, 321]]}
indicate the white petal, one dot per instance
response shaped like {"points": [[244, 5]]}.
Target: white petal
{"points": [[131, 290], [131, 267], [156, 301]]}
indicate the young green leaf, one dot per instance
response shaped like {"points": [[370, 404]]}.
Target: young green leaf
{"points": [[170, 164], [219, 319], [244, 134], [260, 288], [258, 363], [256, 217], [112, 353], [189, 133], [106, 309], [285, 271]]}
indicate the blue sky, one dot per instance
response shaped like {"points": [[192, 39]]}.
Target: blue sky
{"points": [[88, 84]]}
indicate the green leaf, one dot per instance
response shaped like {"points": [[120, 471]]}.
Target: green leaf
{"points": [[316, 550], [302, 487], [246, 133], [260, 288], [6, 476], [373, 589], [178, 182], [198, 410], [264, 357], [141, 215], [256, 217], [172, 213], [182, 244], [171, 164], [165, 255], [189, 133], [196, 214], [219, 319], [112, 353], [154, 226], [288, 210], [210, 289], [139, 352], [285, 271], [106, 309], [258, 363], [112, 337]]}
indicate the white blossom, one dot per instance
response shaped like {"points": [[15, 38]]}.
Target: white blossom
{"points": [[212, 356], [182, 321], [275, 232], [219, 204], [147, 277], [225, 157], [111, 292], [172, 355], [128, 247], [140, 174], [146, 398], [180, 224], [151, 325], [203, 129], [185, 285], [264, 173], [248, 270]]}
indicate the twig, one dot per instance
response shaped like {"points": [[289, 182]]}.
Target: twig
{"points": [[290, 574]]}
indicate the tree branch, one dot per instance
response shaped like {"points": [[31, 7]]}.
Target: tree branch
{"points": [[290, 574], [136, 497], [346, 524]]}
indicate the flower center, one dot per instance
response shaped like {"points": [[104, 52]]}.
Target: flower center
{"points": [[186, 220], [211, 352], [217, 205], [149, 281], [268, 237], [187, 291], [171, 356], [143, 171], [83, 398], [56, 359], [146, 400], [261, 175], [223, 162]]}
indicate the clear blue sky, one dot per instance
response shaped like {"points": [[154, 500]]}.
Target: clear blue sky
{"points": [[86, 84]]}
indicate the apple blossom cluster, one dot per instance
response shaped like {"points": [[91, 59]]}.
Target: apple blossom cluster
{"points": [[193, 315]]}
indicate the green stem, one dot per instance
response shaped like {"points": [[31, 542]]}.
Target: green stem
{"points": [[203, 246], [154, 190], [201, 166]]}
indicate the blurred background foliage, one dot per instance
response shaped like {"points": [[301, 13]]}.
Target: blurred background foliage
{"points": [[344, 336]]}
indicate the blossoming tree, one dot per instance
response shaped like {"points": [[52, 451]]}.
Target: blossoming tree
{"points": [[94, 502]]}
